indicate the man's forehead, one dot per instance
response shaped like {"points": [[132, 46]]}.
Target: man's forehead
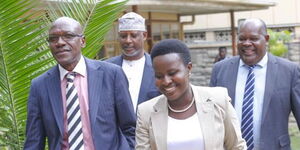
{"points": [[250, 32], [66, 24], [62, 29], [251, 28], [65, 27]]}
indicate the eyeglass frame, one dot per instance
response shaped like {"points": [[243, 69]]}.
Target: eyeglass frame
{"points": [[72, 36]]}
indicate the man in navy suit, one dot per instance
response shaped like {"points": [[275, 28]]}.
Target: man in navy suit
{"points": [[276, 87], [106, 116], [135, 62]]}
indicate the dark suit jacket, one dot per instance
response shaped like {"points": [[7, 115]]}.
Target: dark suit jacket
{"points": [[282, 95], [148, 89], [111, 113]]}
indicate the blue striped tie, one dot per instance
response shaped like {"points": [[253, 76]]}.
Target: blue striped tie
{"points": [[75, 135], [247, 109]]}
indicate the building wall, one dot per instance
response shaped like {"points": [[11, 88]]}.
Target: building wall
{"points": [[285, 12]]}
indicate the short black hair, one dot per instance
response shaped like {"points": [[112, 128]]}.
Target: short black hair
{"points": [[222, 47], [168, 46]]}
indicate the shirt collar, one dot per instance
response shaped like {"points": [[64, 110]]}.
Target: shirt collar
{"points": [[262, 63], [133, 62], [80, 68]]}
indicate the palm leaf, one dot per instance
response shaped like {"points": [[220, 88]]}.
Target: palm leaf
{"points": [[21, 50], [24, 52], [95, 16]]}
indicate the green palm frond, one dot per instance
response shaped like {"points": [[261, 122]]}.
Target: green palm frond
{"points": [[24, 52], [95, 16], [23, 56]]}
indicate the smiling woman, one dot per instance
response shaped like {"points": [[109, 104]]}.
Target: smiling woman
{"points": [[185, 116]]}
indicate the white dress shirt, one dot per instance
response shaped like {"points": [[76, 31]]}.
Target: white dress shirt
{"points": [[259, 90], [134, 72]]}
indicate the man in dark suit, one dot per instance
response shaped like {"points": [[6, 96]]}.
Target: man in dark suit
{"points": [[135, 62], [276, 90], [79, 103]]}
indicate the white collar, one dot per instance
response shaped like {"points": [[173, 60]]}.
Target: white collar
{"points": [[133, 62], [80, 68]]}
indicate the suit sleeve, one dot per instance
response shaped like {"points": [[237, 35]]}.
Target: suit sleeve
{"points": [[296, 95], [126, 116], [35, 133], [142, 133], [233, 137]]}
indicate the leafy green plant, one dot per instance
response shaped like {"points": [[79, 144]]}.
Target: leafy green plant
{"points": [[277, 42], [22, 44], [24, 52]]}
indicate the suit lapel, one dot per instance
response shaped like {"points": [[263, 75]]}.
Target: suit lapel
{"points": [[205, 111], [94, 77], [55, 96], [160, 122], [119, 61], [271, 76], [231, 76], [146, 80]]}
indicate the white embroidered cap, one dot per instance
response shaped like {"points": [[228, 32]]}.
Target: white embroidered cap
{"points": [[132, 22]]}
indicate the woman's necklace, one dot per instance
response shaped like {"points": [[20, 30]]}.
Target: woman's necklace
{"points": [[182, 110]]}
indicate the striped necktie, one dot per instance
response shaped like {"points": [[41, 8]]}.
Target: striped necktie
{"points": [[247, 109], [75, 135]]}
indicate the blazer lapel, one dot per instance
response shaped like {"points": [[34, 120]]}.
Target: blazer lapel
{"points": [[119, 60], [95, 78], [231, 77], [55, 96], [146, 80], [159, 123], [271, 76], [205, 111]]}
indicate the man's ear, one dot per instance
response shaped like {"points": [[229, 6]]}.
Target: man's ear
{"points": [[82, 42], [267, 37], [190, 66], [145, 34]]}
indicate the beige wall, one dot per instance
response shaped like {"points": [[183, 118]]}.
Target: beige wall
{"points": [[160, 16], [285, 12]]}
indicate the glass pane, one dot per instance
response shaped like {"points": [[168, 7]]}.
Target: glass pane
{"points": [[165, 30], [175, 30], [156, 32]]}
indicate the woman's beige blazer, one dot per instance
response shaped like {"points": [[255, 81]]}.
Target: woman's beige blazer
{"points": [[218, 120]]}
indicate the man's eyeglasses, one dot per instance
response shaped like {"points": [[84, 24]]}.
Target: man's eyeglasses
{"points": [[65, 37]]}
